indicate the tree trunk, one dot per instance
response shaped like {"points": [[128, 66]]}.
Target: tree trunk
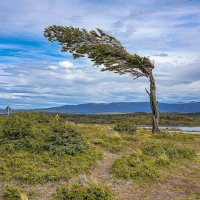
{"points": [[154, 105]]}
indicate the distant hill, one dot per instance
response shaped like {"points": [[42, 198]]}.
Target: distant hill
{"points": [[124, 107], [2, 111], [120, 107]]}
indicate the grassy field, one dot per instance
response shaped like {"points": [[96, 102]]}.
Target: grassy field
{"points": [[142, 119], [43, 157]]}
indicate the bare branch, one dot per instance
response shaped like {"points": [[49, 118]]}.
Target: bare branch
{"points": [[147, 91]]}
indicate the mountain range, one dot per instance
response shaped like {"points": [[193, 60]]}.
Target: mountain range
{"points": [[124, 107], [120, 107]]}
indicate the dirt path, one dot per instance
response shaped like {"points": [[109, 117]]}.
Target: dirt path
{"points": [[99, 174], [123, 189]]}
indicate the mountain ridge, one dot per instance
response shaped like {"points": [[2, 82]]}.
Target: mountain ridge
{"points": [[118, 107], [123, 107]]}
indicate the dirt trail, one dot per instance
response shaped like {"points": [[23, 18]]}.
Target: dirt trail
{"points": [[99, 174]]}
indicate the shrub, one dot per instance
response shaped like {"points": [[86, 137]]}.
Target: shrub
{"points": [[84, 192], [135, 166], [35, 168], [45, 150], [57, 126], [158, 148], [15, 127], [13, 193], [125, 127], [37, 133], [67, 142]]}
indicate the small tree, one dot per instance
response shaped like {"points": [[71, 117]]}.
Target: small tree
{"points": [[106, 52]]}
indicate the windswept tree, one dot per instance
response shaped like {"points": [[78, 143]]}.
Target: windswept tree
{"points": [[106, 52]]}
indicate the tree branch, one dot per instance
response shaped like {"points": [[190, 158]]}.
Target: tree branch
{"points": [[147, 91]]}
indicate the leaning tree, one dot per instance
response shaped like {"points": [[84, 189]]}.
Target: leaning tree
{"points": [[106, 52]]}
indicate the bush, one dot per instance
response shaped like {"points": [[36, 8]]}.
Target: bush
{"points": [[83, 192], [67, 142], [159, 148], [35, 132], [135, 166], [13, 193], [35, 168], [20, 125], [125, 127], [15, 127], [45, 150]]}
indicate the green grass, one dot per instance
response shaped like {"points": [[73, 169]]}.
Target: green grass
{"points": [[135, 166], [104, 138], [174, 137], [158, 148], [149, 161]]}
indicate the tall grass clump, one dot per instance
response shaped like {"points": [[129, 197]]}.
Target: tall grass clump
{"points": [[135, 166], [171, 150], [83, 192]]}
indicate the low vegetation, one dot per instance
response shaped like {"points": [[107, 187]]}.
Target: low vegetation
{"points": [[168, 149], [178, 137], [135, 166], [104, 137], [148, 161], [125, 127], [83, 192], [36, 148], [139, 119], [40, 153], [11, 192]]}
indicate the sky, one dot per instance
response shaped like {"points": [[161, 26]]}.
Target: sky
{"points": [[34, 73]]}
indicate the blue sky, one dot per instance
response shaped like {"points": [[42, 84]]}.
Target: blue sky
{"points": [[34, 73]]}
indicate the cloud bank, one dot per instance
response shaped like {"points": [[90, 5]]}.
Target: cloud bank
{"points": [[34, 73]]}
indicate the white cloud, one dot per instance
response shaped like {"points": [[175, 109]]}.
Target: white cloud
{"points": [[66, 64]]}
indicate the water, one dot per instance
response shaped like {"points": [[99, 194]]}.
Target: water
{"points": [[186, 128], [181, 128]]}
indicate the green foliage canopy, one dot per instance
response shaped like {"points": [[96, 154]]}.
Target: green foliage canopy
{"points": [[101, 48]]}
